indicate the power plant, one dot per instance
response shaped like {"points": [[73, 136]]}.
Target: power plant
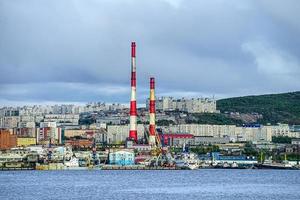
{"points": [[133, 109]]}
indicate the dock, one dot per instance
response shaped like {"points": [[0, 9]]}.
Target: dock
{"points": [[15, 168], [138, 167]]}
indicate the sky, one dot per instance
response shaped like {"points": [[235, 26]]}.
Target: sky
{"points": [[79, 50]]}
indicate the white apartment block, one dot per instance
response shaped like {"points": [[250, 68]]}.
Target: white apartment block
{"points": [[63, 119], [25, 124], [9, 122], [48, 125], [262, 133], [281, 130], [59, 109], [203, 129], [194, 105], [27, 118], [254, 134]]}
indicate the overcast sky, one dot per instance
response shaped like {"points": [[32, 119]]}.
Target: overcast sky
{"points": [[79, 50]]}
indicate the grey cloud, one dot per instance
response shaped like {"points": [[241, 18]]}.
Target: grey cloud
{"points": [[223, 47], [60, 91], [279, 68]]}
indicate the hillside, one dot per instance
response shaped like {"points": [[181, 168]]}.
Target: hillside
{"points": [[274, 108], [211, 118]]}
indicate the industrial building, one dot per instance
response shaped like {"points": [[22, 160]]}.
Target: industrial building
{"points": [[198, 140], [171, 139]]}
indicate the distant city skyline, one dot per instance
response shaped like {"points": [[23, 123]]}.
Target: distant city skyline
{"points": [[79, 51]]}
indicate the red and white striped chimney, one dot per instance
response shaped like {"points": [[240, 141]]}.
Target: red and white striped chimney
{"points": [[133, 113], [152, 112]]}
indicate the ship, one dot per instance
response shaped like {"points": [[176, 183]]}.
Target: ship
{"points": [[271, 165], [187, 161], [73, 164]]}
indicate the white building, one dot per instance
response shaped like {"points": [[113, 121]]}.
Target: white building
{"points": [[204, 129], [193, 105], [281, 130], [24, 124], [254, 134], [48, 124], [261, 133], [9, 122], [63, 119]]}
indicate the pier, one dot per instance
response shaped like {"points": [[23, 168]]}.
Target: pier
{"points": [[138, 167]]}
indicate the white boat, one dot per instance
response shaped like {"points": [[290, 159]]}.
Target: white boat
{"points": [[73, 164], [234, 165], [205, 164], [187, 160], [226, 165]]}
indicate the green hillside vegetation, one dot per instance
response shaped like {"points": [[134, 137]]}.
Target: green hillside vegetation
{"points": [[282, 139], [275, 108], [210, 118]]}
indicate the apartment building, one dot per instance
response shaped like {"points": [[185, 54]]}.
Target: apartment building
{"points": [[193, 105]]}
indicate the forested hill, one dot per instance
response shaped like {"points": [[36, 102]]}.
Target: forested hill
{"points": [[275, 108]]}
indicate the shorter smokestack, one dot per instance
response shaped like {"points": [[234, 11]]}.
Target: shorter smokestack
{"points": [[152, 112]]}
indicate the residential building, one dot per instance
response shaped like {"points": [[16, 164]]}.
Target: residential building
{"points": [[9, 121], [7, 140], [193, 105], [234, 133], [62, 119], [25, 132], [281, 130], [46, 134], [26, 141], [295, 141]]}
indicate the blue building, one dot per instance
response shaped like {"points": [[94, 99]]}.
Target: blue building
{"points": [[217, 158], [121, 157]]}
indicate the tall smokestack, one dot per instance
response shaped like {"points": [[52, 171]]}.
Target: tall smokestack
{"points": [[152, 112], [133, 113]]}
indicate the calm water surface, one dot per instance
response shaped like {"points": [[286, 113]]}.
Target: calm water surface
{"points": [[200, 184]]}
